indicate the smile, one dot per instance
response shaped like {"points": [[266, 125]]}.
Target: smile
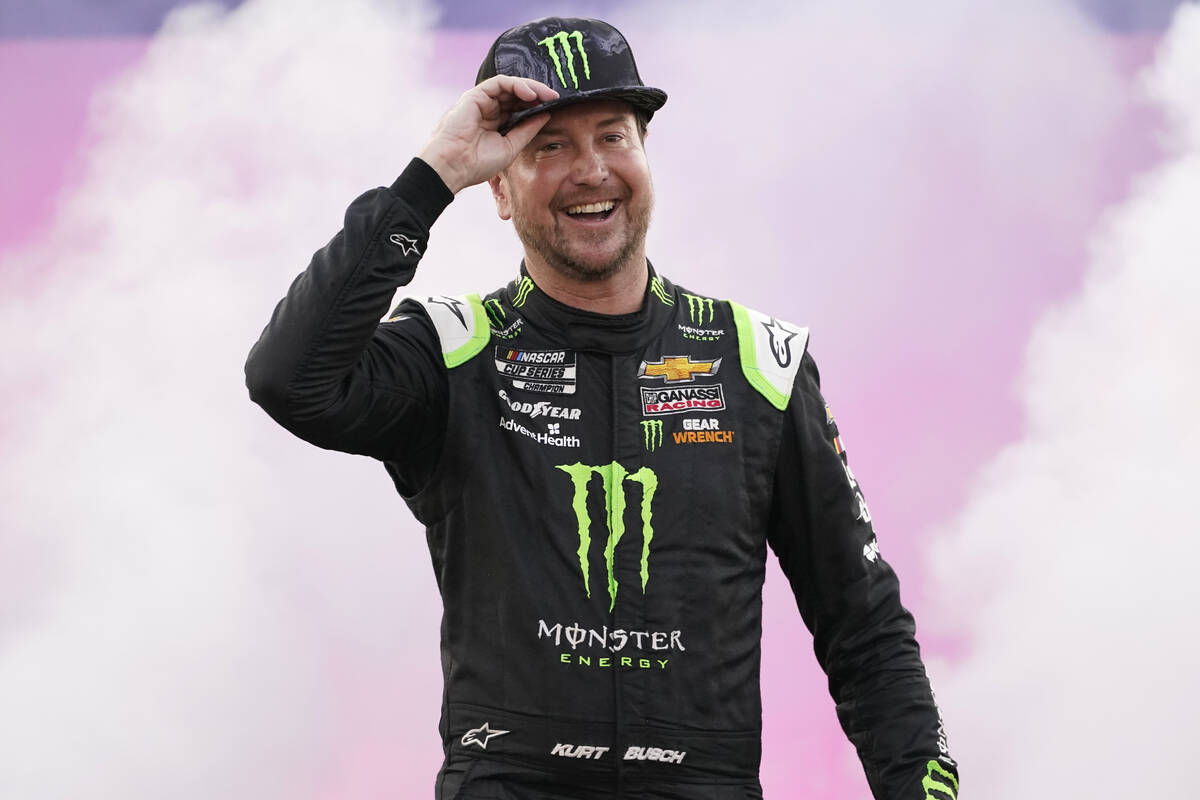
{"points": [[591, 212]]}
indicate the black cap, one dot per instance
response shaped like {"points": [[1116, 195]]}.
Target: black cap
{"points": [[582, 59]]}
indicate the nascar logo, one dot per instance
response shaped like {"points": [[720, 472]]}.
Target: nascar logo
{"points": [[546, 371]]}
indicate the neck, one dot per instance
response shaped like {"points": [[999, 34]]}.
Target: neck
{"points": [[621, 293]]}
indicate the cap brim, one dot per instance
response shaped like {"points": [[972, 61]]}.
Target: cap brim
{"points": [[645, 98]]}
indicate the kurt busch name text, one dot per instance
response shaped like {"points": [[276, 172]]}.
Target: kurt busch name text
{"points": [[634, 753]]}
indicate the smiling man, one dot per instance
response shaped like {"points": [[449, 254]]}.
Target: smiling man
{"points": [[601, 459]]}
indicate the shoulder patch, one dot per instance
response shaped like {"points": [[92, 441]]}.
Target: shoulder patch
{"points": [[770, 352], [462, 326]]}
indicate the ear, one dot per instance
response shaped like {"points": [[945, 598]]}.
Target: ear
{"points": [[500, 192]]}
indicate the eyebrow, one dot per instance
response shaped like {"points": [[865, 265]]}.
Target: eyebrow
{"points": [[555, 130]]}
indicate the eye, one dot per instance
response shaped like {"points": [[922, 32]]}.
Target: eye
{"points": [[613, 138], [550, 147]]}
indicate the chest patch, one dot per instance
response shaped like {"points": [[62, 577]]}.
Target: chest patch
{"points": [[545, 371]]}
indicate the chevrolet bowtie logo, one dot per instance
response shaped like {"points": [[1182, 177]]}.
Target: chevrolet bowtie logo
{"points": [[678, 369]]}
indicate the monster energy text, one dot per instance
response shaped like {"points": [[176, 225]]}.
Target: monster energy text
{"points": [[614, 478], [652, 430], [563, 39]]}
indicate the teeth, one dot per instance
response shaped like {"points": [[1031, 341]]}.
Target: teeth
{"points": [[591, 208]]}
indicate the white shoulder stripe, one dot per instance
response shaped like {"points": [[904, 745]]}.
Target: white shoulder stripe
{"points": [[462, 326], [770, 352]]}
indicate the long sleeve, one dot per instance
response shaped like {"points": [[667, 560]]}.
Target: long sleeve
{"points": [[327, 370], [849, 598]]}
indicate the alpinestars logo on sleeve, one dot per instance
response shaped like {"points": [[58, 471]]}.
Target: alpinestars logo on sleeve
{"points": [[562, 40], [781, 338], [615, 479], [407, 244], [453, 304], [481, 736]]}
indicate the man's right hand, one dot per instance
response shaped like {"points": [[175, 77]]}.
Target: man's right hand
{"points": [[466, 148]]}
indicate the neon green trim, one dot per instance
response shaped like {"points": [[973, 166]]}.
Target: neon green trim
{"points": [[479, 340], [749, 358]]}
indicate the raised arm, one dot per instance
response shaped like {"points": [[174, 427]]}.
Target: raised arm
{"points": [[324, 367]]}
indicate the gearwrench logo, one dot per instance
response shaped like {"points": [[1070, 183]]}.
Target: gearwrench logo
{"points": [[615, 479], [562, 40]]}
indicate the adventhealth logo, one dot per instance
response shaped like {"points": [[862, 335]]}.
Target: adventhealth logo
{"points": [[615, 479], [562, 40]]}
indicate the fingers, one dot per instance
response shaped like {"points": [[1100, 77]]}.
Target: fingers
{"points": [[507, 87], [523, 132]]}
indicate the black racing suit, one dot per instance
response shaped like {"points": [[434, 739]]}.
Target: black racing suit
{"points": [[599, 493]]}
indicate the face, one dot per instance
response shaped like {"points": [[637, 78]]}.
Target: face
{"points": [[579, 194]]}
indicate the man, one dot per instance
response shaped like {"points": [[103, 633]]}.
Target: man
{"points": [[601, 459]]}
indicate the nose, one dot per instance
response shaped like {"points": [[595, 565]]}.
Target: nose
{"points": [[589, 167]]}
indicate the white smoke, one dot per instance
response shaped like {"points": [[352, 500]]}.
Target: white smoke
{"points": [[1075, 556], [172, 626]]}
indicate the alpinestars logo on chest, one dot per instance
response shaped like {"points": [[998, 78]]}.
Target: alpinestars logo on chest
{"points": [[481, 736]]}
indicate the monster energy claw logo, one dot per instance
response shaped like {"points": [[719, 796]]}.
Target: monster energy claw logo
{"points": [[524, 287], [652, 433], [563, 39], [660, 291], [697, 306], [940, 780], [614, 477], [495, 311]]}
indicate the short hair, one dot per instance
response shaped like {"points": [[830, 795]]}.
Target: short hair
{"points": [[643, 121]]}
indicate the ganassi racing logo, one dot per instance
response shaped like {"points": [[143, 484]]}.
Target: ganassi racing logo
{"points": [[684, 398]]}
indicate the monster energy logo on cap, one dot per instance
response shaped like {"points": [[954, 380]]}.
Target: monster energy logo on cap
{"points": [[652, 433], [615, 478], [562, 39], [697, 306], [580, 58]]}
